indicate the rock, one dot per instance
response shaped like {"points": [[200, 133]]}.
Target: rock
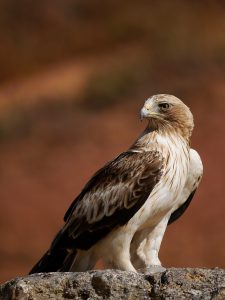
{"points": [[114, 284]]}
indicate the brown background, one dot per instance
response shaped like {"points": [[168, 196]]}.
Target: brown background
{"points": [[73, 77]]}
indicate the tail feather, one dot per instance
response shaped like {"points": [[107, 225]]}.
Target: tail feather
{"points": [[52, 261], [69, 260]]}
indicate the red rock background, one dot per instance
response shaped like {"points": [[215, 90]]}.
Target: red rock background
{"points": [[73, 77]]}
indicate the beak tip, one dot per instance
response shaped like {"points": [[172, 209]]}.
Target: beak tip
{"points": [[142, 114]]}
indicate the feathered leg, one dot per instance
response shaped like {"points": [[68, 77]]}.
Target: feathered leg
{"points": [[114, 250], [145, 247]]}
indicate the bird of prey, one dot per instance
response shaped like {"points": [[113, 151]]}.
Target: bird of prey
{"points": [[122, 212]]}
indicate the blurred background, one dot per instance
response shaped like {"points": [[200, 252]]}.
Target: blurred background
{"points": [[73, 77]]}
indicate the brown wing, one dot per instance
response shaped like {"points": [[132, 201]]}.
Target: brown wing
{"points": [[110, 199]]}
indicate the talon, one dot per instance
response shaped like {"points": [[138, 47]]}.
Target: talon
{"points": [[153, 269]]}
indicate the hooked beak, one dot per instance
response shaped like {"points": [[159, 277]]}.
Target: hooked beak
{"points": [[148, 112], [144, 113]]}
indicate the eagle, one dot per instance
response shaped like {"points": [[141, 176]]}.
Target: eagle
{"points": [[121, 214]]}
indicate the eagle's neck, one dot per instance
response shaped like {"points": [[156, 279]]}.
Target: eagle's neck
{"points": [[152, 136], [173, 127]]}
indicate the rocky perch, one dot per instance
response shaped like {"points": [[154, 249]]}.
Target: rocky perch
{"points": [[114, 284]]}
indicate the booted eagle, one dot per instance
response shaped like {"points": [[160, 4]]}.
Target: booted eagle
{"points": [[122, 212]]}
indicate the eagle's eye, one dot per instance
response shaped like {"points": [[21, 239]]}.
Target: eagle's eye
{"points": [[164, 106]]}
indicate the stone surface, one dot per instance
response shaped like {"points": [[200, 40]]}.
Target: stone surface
{"points": [[114, 284]]}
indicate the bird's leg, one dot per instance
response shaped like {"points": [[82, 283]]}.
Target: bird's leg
{"points": [[115, 250], [145, 248], [122, 263], [138, 243]]}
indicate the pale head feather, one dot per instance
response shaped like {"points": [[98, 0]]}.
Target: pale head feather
{"points": [[168, 113]]}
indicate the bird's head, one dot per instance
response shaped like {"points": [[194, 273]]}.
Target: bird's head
{"points": [[166, 112]]}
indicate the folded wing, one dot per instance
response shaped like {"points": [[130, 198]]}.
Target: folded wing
{"points": [[110, 199]]}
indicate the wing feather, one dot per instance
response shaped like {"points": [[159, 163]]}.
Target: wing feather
{"points": [[111, 197]]}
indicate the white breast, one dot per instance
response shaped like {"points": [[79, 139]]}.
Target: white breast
{"points": [[166, 193]]}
